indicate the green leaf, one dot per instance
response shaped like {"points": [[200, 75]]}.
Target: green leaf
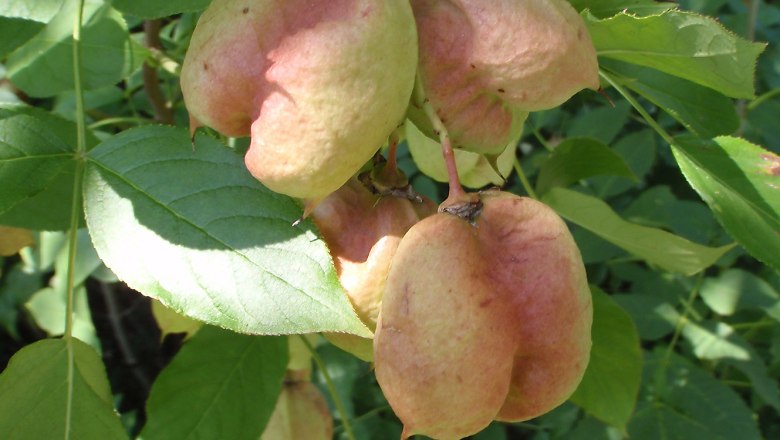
{"points": [[741, 184], [17, 285], [666, 250], [14, 32], [221, 385], [642, 309], [657, 206], [36, 403], [20, 20], [34, 10], [684, 44], [32, 159], [683, 402], [703, 111], [638, 150], [575, 159], [736, 289], [44, 66], [588, 428], [188, 225], [474, 169], [48, 306], [601, 123], [609, 389], [45, 204], [716, 343], [719, 341], [156, 8], [608, 8]]}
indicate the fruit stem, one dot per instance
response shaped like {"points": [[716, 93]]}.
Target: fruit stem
{"points": [[392, 150], [331, 388], [524, 180], [457, 195]]}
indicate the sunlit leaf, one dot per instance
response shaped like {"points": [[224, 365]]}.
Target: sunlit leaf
{"points": [[189, 226], [608, 8], [736, 289], [44, 66], [741, 184], [684, 44], [668, 251]]}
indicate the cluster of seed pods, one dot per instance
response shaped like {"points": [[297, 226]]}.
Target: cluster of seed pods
{"points": [[481, 309]]}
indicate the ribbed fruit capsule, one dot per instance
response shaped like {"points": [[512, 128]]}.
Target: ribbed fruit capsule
{"points": [[483, 321]]}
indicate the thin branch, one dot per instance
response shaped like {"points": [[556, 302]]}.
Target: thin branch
{"points": [[162, 113]]}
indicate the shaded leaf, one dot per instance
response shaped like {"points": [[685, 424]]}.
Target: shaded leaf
{"points": [[17, 285], [193, 229], [575, 159], [684, 402], [741, 184], [16, 31], [642, 307], [668, 251], [40, 182], [684, 44], [638, 150], [719, 341], [36, 403], [31, 161], [602, 123], [701, 110], [609, 389], [221, 385], [657, 206]]}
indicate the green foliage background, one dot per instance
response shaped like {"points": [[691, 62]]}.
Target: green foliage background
{"points": [[669, 179]]}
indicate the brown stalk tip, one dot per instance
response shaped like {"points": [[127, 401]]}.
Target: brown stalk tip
{"points": [[468, 209]]}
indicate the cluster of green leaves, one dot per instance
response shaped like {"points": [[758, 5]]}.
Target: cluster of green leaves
{"points": [[685, 339]]}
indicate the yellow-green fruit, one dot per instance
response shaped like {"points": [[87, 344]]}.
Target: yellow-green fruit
{"points": [[318, 84], [300, 413], [474, 170], [484, 64], [482, 322], [363, 231]]}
